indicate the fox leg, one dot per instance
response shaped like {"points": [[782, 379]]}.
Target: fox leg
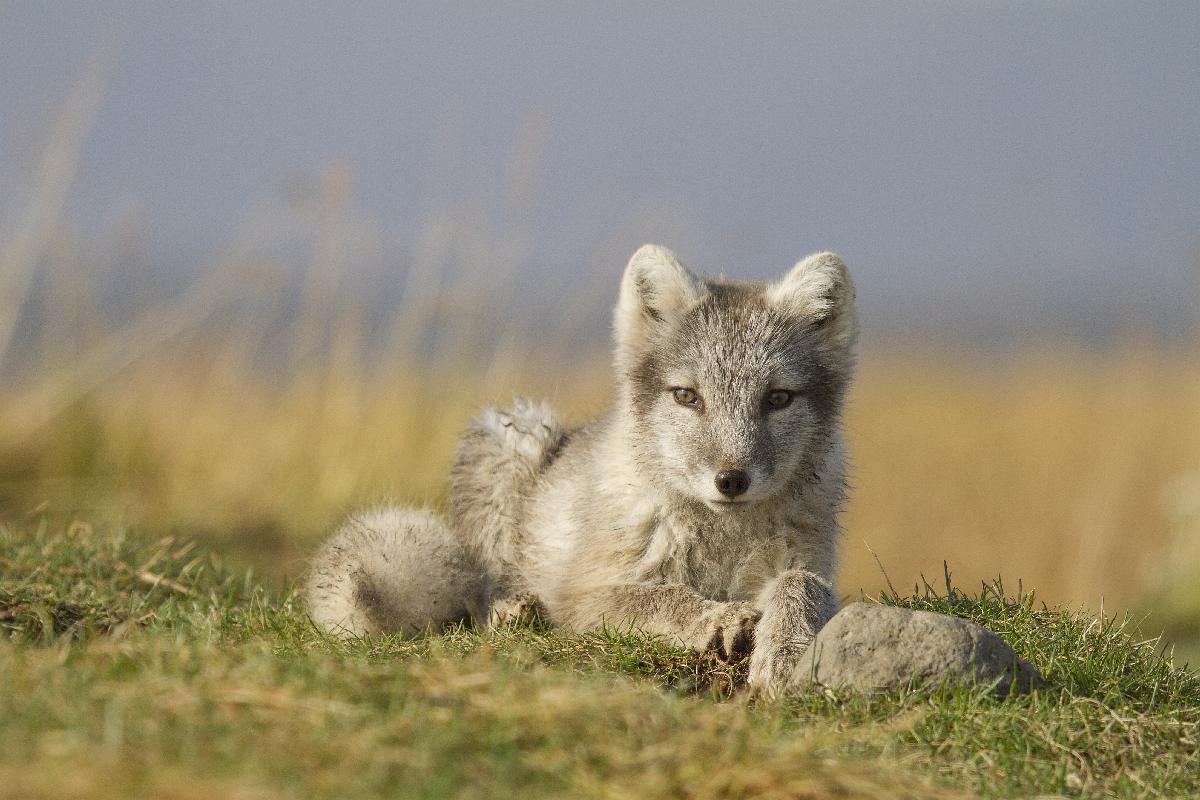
{"points": [[672, 611], [794, 606], [499, 458]]}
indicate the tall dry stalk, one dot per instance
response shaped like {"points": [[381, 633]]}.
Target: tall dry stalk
{"points": [[23, 248]]}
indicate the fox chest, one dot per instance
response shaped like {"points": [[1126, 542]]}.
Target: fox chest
{"points": [[717, 562]]}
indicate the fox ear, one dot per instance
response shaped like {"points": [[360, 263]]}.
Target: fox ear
{"points": [[655, 291], [819, 292]]}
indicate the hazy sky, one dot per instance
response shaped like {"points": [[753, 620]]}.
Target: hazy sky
{"points": [[977, 163]]}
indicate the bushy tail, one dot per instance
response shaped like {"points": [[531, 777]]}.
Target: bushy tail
{"points": [[393, 570], [498, 461]]}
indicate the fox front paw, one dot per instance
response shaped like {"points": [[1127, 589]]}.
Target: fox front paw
{"points": [[775, 668], [726, 629], [517, 609]]}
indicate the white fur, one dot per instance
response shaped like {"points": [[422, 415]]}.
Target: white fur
{"points": [[655, 290], [819, 289]]}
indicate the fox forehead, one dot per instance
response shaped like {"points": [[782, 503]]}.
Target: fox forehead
{"points": [[733, 332], [733, 342]]}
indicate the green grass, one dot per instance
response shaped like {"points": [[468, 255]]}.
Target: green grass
{"points": [[134, 666]]}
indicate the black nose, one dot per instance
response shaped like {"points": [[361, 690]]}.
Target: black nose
{"points": [[732, 482]]}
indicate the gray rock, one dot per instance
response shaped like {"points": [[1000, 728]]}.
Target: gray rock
{"points": [[869, 648]]}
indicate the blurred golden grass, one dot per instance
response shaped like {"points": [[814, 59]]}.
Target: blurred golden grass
{"points": [[1049, 468], [1044, 466]]}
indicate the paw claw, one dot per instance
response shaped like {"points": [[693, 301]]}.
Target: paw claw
{"points": [[521, 609], [729, 630]]}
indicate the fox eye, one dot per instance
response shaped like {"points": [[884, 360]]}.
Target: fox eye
{"points": [[686, 397], [779, 398]]}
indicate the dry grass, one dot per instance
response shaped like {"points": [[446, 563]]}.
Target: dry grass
{"points": [[1050, 469]]}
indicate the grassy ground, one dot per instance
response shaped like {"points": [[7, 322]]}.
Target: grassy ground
{"points": [[140, 667]]}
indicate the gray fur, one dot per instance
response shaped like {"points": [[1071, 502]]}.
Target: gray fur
{"points": [[796, 607], [619, 523]]}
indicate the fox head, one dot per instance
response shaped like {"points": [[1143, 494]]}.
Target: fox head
{"points": [[734, 389]]}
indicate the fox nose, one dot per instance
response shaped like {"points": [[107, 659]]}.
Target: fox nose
{"points": [[732, 482]]}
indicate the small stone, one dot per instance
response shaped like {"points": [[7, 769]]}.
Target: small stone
{"points": [[870, 648]]}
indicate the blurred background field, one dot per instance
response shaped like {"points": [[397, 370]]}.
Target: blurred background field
{"points": [[1031, 411]]}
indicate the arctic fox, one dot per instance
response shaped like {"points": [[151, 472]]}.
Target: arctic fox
{"points": [[701, 507]]}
